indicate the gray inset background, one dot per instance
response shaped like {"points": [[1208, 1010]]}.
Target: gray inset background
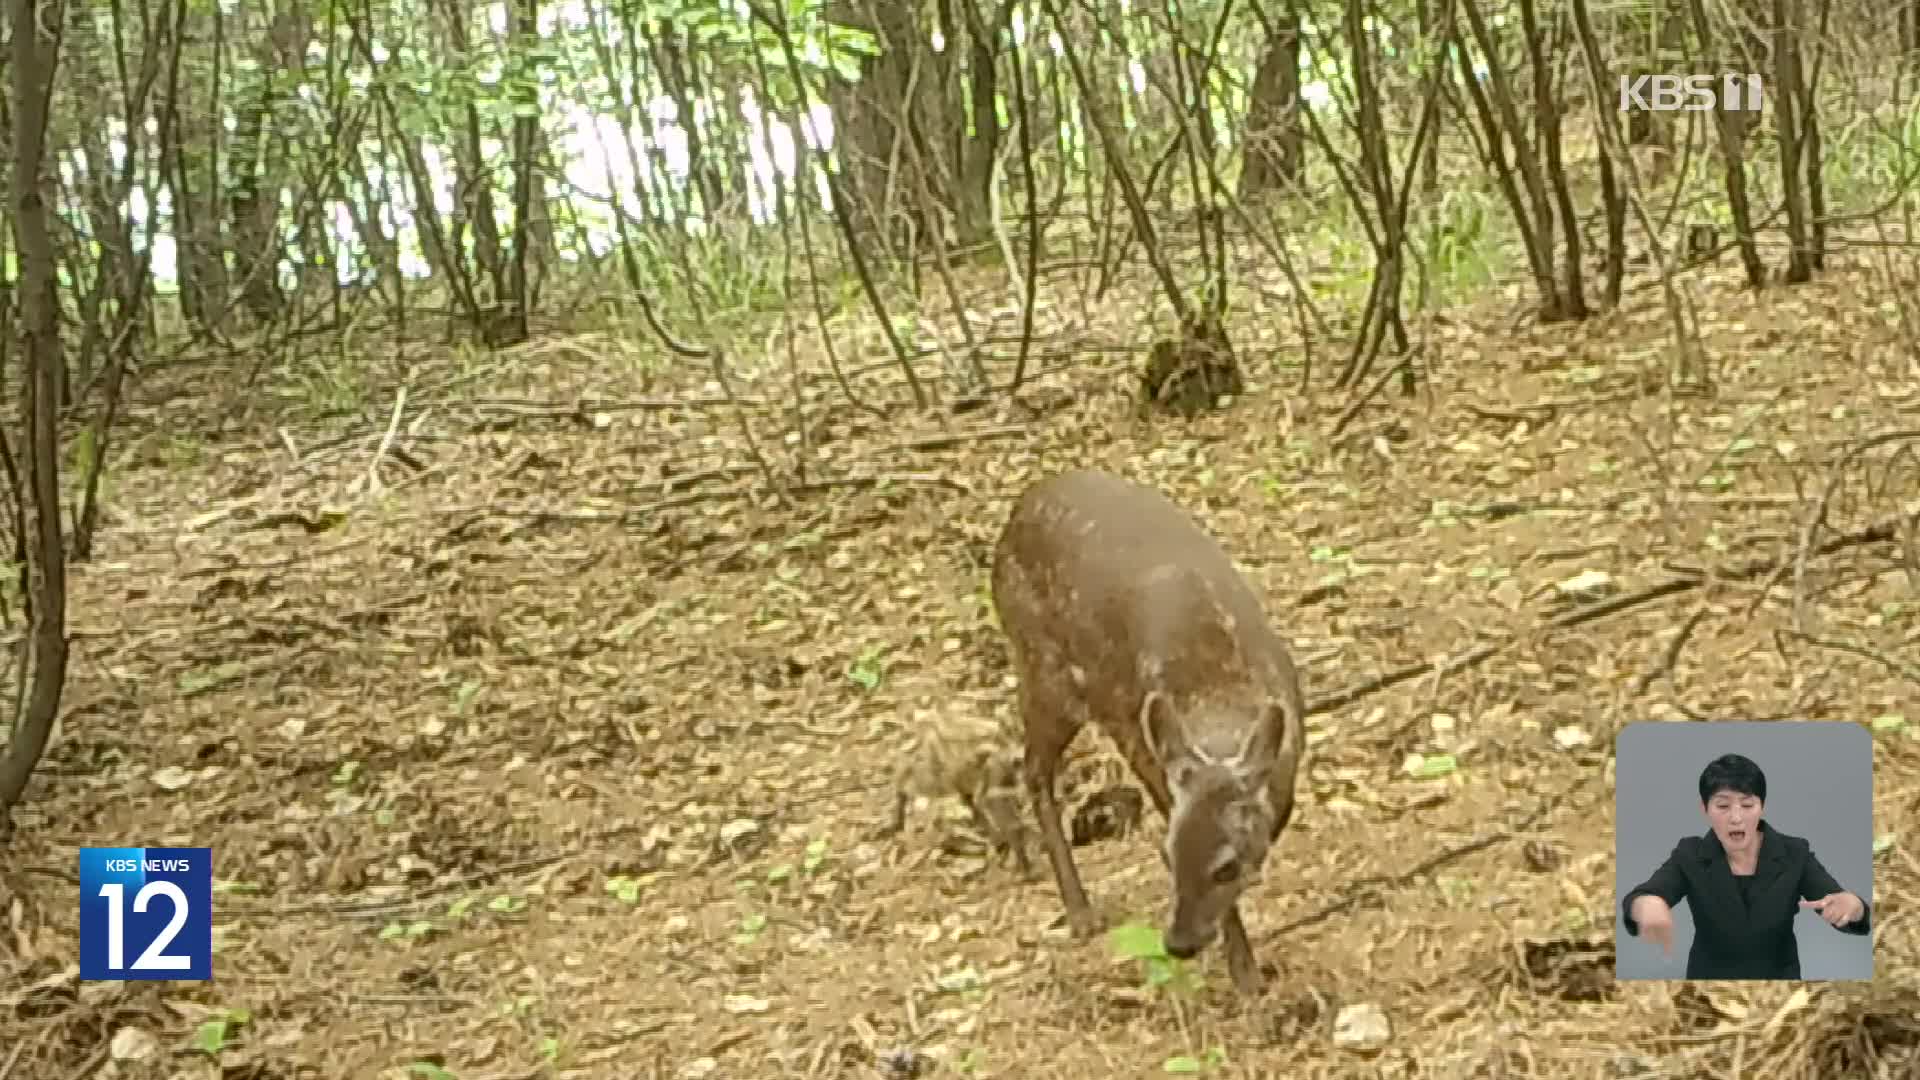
{"points": [[1819, 788]]}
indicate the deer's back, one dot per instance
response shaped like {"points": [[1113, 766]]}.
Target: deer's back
{"points": [[1112, 585]]}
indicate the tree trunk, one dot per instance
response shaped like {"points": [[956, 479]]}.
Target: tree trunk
{"points": [[35, 42], [259, 172], [1273, 139], [873, 121], [684, 87]]}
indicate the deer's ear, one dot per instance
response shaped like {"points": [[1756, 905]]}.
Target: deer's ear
{"points": [[1166, 739], [1261, 743]]}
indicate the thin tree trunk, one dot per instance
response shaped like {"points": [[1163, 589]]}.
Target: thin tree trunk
{"points": [[34, 31]]}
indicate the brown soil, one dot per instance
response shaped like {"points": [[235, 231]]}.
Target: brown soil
{"points": [[521, 759]]}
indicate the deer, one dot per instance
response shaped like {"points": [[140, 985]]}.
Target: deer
{"points": [[1119, 608]]}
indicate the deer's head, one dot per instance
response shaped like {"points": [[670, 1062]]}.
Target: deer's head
{"points": [[1219, 762]]}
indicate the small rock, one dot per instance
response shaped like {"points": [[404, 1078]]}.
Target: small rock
{"points": [[1587, 585], [1571, 736], [902, 1063], [172, 778], [1635, 1067], [134, 1044], [1361, 1027], [1540, 856], [1508, 594]]}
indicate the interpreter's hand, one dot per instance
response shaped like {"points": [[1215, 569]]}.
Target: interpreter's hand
{"points": [[1656, 921], [1838, 909]]}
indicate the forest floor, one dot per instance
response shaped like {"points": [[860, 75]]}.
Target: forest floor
{"points": [[559, 753]]}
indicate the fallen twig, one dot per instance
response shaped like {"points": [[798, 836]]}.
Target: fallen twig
{"points": [[1361, 401], [1536, 413], [1362, 888], [386, 441], [554, 411], [412, 901], [241, 671], [716, 357], [1671, 655], [955, 438], [865, 480], [1866, 652], [1818, 517], [1747, 570], [531, 518]]}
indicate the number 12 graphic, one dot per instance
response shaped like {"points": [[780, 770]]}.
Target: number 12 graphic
{"points": [[168, 923]]}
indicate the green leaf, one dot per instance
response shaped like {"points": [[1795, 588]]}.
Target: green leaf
{"points": [[210, 1037], [1889, 724], [1182, 1064], [1136, 941], [750, 928], [196, 682], [464, 696], [853, 39], [954, 982], [866, 671], [1431, 766]]}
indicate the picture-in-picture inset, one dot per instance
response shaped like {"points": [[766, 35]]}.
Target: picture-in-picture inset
{"points": [[1744, 851]]}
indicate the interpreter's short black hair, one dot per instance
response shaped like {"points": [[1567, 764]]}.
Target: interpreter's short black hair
{"points": [[1731, 772]]}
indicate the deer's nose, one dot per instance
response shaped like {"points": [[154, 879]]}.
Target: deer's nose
{"points": [[1182, 942]]}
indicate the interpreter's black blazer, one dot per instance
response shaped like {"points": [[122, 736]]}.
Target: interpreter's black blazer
{"points": [[1735, 940]]}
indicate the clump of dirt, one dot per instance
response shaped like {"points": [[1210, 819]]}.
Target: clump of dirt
{"points": [[1190, 374]]}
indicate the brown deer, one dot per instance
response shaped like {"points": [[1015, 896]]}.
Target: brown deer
{"points": [[1119, 609]]}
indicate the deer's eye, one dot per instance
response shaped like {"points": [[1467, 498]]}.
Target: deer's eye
{"points": [[1227, 872]]}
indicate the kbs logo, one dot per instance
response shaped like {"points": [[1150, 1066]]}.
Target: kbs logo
{"points": [[1690, 93], [153, 906]]}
